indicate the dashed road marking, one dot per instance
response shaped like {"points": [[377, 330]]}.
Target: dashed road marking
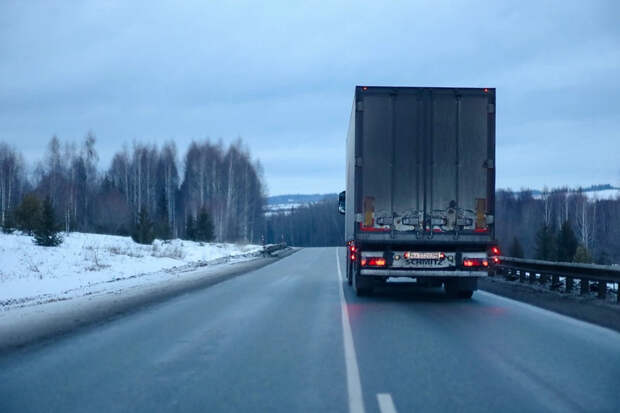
{"points": [[386, 404], [354, 385]]}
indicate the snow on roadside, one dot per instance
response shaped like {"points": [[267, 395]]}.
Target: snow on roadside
{"points": [[92, 263]]}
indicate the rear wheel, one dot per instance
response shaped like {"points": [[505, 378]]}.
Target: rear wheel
{"points": [[466, 294], [349, 270], [455, 291], [360, 285]]}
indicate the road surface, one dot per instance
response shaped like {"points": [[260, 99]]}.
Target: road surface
{"points": [[293, 337]]}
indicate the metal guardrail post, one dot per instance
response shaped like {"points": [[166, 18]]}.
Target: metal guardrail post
{"points": [[526, 269]]}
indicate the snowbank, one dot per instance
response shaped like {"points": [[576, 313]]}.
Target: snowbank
{"points": [[86, 264]]}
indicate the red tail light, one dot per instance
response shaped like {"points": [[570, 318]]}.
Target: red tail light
{"points": [[475, 262], [352, 257], [495, 260], [376, 262], [495, 250], [373, 262]]}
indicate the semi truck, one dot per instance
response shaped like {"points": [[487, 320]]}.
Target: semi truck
{"points": [[420, 187]]}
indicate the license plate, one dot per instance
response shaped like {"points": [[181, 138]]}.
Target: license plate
{"points": [[424, 255]]}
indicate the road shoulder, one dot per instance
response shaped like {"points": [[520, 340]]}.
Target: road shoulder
{"points": [[588, 308], [29, 324]]}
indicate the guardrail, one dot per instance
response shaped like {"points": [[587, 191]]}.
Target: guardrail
{"points": [[561, 274], [268, 249]]}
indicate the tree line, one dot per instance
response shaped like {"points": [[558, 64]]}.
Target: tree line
{"points": [[216, 193], [558, 224], [316, 224]]}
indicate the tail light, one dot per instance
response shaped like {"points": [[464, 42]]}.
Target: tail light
{"points": [[495, 250], [373, 262], [475, 262]]}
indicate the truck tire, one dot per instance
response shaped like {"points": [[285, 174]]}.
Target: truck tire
{"points": [[349, 271], [453, 290], [465, 294], [360, 286]]}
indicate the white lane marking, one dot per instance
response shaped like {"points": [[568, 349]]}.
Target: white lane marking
{"points": [[386, 404], [354, 385]]}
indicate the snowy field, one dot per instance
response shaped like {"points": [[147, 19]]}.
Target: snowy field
{"points": [[86, 264]]}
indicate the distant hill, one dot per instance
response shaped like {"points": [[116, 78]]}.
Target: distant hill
{"points": [[601, 191], [288, 201], [297, 198], [284, 203]]}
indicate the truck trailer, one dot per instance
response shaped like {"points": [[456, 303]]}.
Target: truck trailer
{"points": [[420, 187]]}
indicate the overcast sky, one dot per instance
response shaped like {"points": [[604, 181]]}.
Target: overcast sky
{"points": [[282, 76]]}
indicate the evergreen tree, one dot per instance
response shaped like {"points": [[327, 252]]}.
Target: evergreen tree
{"points": [[516, 250], [190, 228], [46, 233], [204, 226], [27, 214], [162, 228], [603, 258], [143, 230], [545, 244], [8, 226], [567, 243], [582, 255]]}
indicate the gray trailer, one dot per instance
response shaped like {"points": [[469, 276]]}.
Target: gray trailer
{"points": [[420, 187]]}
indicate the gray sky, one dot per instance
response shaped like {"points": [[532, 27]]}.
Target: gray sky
{"points": [[281, 75]]}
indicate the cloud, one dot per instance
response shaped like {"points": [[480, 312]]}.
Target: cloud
{"points": [[281, 76]]}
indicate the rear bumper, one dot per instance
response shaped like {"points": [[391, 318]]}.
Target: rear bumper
{"points": [[421, 273]]}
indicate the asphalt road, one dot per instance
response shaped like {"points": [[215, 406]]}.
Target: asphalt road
{"points": [[292, 337]]}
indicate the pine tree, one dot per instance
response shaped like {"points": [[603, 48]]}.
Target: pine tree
{"points": [[190, 228], [143, 230], [204, 226], [8, 226], [27, 214], [516, 250], [162, 229], [545, 244], [582, 255], [603, 258], [567, 243], [46, 233]]}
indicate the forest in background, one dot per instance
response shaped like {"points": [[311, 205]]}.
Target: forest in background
{"points": [[217, 193], [222, 185], [531, 224]]}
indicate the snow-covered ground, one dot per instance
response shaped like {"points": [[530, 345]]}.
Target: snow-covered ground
{"points": [[86, 264]]}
